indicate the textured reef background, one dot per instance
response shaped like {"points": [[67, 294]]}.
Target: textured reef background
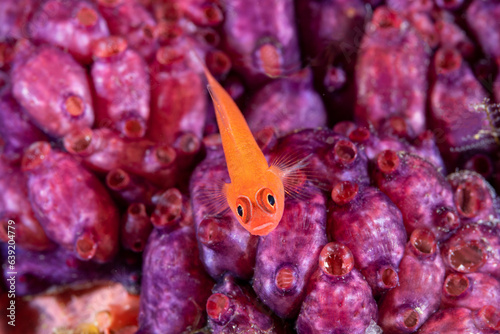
{"points": [[110, 151]]}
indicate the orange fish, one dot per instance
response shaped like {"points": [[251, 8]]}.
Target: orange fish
{"points": [[256, 194]]}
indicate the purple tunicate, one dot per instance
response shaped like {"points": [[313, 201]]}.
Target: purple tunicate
{"points": [[129, 188], [287, 257], [421, 274], [103, 150], [397, 137], [481, 17], [386, 85], [473, 291], [474, 248], [53, 90], [71, 25], [17, 219], [462, 320], [377, 224], [178, 95], [456, 118], [174, 285], [419, 190], [16, 129], [131, 20], [71, 204], [338, 298], [235, 307], [136, 227], [14, 17], [121, 87], [332, 158], [261, 39], [286, 104], [475, 199]]}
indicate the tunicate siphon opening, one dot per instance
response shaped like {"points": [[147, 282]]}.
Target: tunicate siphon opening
{"points": [[447, 219], [447, 60], [481, 164], [468, 199], [336, 259], [87, 17], [410, 318], [344, 127], [455, 284], [390, 277], [134, 128], [171, 196], [168, 209], [218, 62], [166, 32], [213, 15], [388, 161], [286, 278], [86, 247], [35, 154], [74, 105], [423, 241], [136, 227], [210, 36], [189, 143], [359, 135], [210, 232], [117, 179], [165, 155], [269, 59], [138, 246], [398, 126], [109, 46], [218, 305], [78, 141], [168, 11], [344, 192], [467, 257], [345, 151], [490, 315], [136, 209], [384, 18], [168, 55], [212, 140]]}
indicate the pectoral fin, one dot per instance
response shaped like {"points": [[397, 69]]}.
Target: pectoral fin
{"points": [[296, 172]]}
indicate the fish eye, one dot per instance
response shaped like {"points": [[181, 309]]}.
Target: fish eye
{"points": [[266, 200], [244, 209], [270, 199]]}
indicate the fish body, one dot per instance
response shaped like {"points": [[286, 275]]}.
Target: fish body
{"points": [[256, 193]]}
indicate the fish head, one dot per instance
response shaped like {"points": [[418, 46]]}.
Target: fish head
{"points": [[259, 208]]}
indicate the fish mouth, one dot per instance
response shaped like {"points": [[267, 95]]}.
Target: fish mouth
{"points": [[263, 229]]}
